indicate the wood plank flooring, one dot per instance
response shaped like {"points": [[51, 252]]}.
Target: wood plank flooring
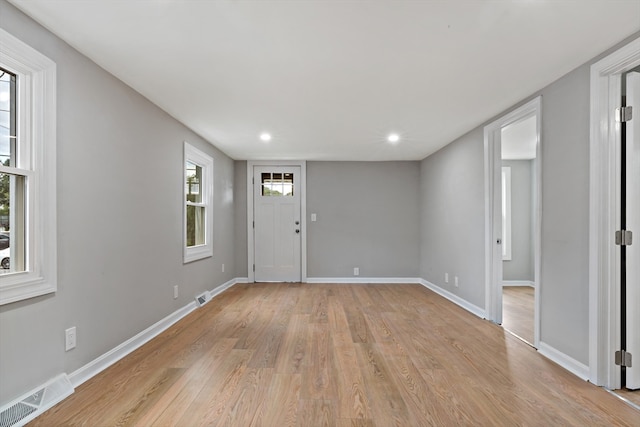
{"points": [[336, 355], [517, 311]]}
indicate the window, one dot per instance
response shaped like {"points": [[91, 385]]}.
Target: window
{"points": [[198, 209], [277, 184], [506, 213], [27, 171]]}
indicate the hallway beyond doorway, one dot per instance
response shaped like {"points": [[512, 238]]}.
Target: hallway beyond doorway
{"points": [[517, 311]]}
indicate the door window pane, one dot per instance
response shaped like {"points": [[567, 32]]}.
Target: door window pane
{"points": [[277, 184]]}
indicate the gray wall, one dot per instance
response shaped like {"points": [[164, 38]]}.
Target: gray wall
{"points": [[564, 291], [119, 178], [368, 217], [452, 213], [452, 217], [240, 217], [521, 265]]}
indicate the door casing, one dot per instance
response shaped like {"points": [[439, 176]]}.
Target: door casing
{"points": [[493, 216], [604, 213], [303, 213]]}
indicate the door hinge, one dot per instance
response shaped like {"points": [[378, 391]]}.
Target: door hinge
{"points": [[624, 238], [623, 358], [624, 114], [254, 224], [254, 267]]}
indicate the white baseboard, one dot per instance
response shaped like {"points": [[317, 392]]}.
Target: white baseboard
{"points": [[112, 356], [518, 283], [109, 358], [358, 279], [570, 364], [455, 299]]}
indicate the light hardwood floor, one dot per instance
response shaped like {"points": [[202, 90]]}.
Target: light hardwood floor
{"points": [[336, 355], [517, 311]]}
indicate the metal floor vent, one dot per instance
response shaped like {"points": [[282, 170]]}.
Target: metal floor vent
{"points": [[29, 406], [12, 415], [203, 298]]}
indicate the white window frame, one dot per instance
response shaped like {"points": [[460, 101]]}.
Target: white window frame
{"points": [[200, 158], [36, 111], [506, 213]]}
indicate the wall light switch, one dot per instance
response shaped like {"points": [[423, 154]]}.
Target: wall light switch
{"points": [[314, 217]]}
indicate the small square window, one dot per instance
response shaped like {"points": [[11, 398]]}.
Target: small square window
{"points": [[277, 184]]}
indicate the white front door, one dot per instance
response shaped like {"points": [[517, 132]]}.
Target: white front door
{"points": [[277, 223], [633, 224]]}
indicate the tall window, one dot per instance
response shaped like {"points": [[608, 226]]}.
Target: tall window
{"points": [[12, 180], [198, 209], [27, 171], [506, 213]]}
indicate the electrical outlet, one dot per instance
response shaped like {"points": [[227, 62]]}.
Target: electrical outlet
{"points": [[69, 338], [455, 281], [314, 217], [223, 268], [175, 292], [446, 277], [356, 271]]}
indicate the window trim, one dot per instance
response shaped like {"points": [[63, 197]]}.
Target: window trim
{"points": [[37, 129], [200, 158]]}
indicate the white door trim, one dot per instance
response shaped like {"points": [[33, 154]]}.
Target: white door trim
{"points": [[604, 209], [303, 212], [493, 252]]}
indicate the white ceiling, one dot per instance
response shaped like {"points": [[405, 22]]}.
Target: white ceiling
{"points": [[330, 79]]}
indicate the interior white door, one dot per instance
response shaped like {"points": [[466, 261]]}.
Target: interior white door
{"points": [[633, 224], [277, 223]]}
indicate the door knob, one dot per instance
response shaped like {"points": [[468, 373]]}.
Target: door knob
{"points": [[297, 222], [297, 231], [499, 241]]}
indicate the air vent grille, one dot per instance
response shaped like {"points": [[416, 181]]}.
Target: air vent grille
{"points": [[203, 298], [14, 414], [30, 405]]}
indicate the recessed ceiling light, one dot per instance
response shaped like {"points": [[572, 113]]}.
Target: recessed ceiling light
{"points": [[393, 138], [266, 137]]}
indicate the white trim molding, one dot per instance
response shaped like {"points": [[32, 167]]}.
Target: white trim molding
{"points": [[518, 283], [472, 308], [205, 189], [493, 209], [604, 208], [570, 364], [37, 107], [101, 363]]}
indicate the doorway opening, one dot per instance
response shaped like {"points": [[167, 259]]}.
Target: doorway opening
{"points": [[606, 298], [513, 221], [519, 141]]}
